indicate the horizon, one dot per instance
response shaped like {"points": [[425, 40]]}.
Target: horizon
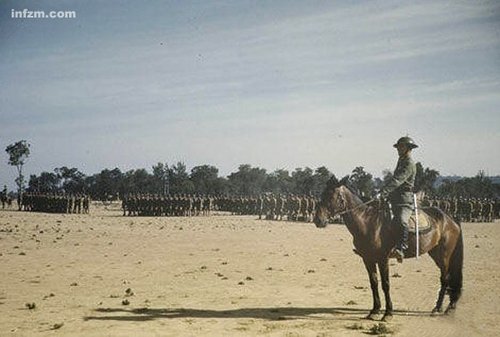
{"points": [[279, 85]]}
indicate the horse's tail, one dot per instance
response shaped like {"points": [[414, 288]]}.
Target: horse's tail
{"points": [[455, 270]]}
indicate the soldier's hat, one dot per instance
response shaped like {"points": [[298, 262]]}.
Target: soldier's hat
{"points": [[406, 141]]}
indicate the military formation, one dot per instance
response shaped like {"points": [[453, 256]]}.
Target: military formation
{"points": [[266, 206], [55, 203], [159, 205], [467, 209], [276, 206]]}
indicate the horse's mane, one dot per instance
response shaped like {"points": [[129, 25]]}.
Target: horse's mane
{"points": [[373, 208]]}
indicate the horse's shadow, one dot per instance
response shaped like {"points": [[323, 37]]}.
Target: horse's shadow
{"points": [[271, 314]]}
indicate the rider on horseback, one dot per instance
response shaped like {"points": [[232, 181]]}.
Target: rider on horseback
{"points": [[399, 191]]}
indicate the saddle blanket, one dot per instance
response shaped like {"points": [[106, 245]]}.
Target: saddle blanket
{"points": [[424, 222]]}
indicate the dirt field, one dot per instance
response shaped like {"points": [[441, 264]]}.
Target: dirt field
{"points": [[220, 276]]}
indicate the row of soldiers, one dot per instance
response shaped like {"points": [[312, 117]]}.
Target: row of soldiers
{"points": [[275, 206], [282, 207], [160, 205], [268, 206], [467, 209], [55, 203]]}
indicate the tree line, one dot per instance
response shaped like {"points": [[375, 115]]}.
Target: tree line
{"points": [[247, 180], [173, 179]]}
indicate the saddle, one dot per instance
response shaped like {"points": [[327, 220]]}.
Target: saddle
{"points": [[424, 222]]}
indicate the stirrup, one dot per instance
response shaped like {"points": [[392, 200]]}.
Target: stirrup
{"points": [[397, 254]]}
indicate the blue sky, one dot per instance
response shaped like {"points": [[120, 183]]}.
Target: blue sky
{"points": [[276, 84]]}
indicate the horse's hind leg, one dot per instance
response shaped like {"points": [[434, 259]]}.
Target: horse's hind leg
{"points": [[371, 268], [436, 255]]}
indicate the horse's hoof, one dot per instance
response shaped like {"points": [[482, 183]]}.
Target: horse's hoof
{"points": [[436, 311], [372, 315], [387, 318], [449, 310]]}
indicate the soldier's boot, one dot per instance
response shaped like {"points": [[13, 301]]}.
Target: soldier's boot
{"points": [[402, 245]]}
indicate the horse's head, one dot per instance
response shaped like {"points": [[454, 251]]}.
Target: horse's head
{"points": [[332, 201]]}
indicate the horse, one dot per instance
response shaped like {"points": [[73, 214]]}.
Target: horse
{"points": [[374, 239]]}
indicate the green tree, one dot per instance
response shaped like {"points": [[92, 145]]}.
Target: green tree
{"points": [[479, 186], [138, 181], [425, 178], [205, 179], [320, 178], [179, 179], [302, 180], [47, 182], [161, 174], [362, 181], [73, 181], [247, 180], [278, 181], [18, 154], [105, 184]]}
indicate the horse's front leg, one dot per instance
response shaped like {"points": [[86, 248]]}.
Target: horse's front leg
{"points": [[371, 268], [383, 266]]}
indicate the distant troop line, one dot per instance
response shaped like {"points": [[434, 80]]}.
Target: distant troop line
{"points": [[267, 206], [467, 209], [55, 203], [159, 205], [283, 206]]}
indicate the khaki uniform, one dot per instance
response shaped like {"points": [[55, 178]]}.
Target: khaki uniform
{"points": [[399, 190]]}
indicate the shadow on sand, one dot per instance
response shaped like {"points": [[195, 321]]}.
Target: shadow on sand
{"points": [[272, 314]]}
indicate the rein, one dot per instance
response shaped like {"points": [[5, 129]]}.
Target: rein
{"points": [[358, 206]]}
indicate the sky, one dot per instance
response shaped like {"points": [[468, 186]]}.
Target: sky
{"points": [[275, 84]]}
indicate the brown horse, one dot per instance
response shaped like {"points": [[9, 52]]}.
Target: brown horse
{"points": [[375, 238]]}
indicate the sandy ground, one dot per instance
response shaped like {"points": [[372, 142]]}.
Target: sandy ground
{"points": [[220, 276]]}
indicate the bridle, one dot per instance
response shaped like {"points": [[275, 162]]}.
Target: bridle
{"points": [[343, 202], [358, 206]]}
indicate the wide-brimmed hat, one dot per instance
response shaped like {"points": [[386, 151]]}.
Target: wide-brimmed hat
{"points": [[406, 141]]}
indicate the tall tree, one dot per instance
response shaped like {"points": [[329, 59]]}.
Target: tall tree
{"points": [[362, 181], [179, 179], [105, 184], [73, 181], [161, 174], [302, 180], [247, 180], [320, 178], [479, 186], [47, 182], [18, 154], [279, 181], [425, 178], [205, 179]]}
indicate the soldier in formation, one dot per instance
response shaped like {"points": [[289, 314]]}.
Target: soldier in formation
{"points": [[467, 209], [160, 205], [56, 203], [266, 206]]}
